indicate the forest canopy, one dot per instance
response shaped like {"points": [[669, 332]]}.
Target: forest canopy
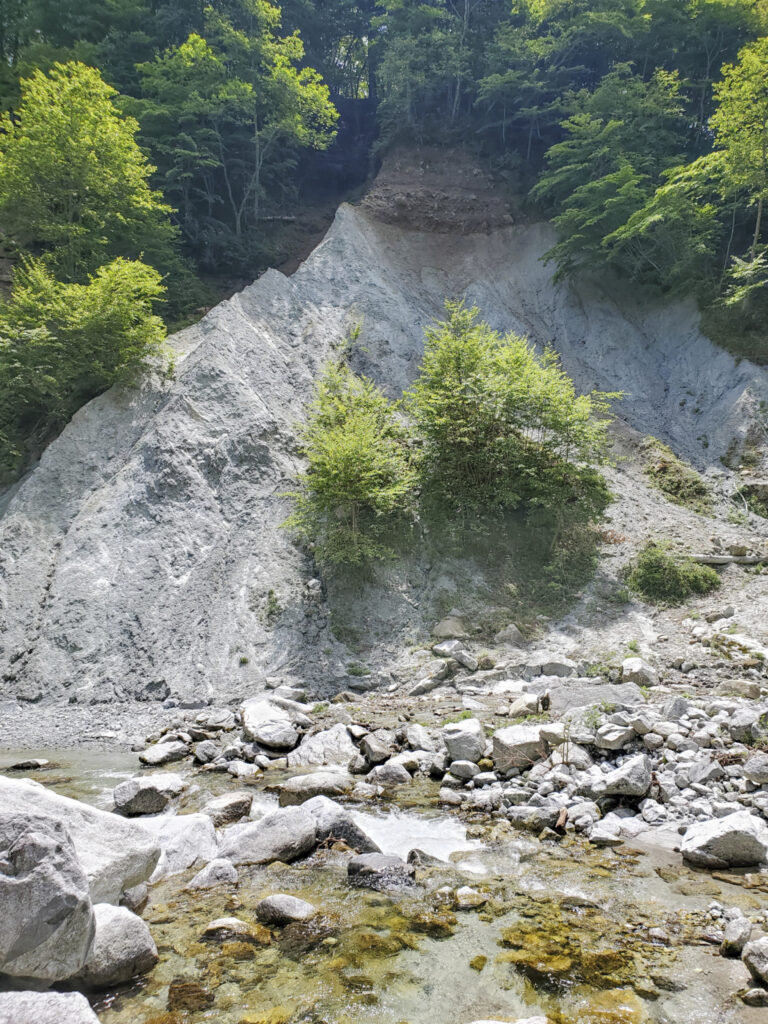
{"points": [[192, 137]]}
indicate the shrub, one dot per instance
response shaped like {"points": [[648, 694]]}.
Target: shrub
{"points": [[503, 427], [359, 475], [664, 578], [674, 478], [62, 344]]}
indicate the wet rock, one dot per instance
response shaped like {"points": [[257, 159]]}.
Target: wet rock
{"points": [[114, 852], [146, 794], [275, 735], [47, 922], [188, 995], [281, 909], [331, 746], [223, 810], [636, 670], [164, 753], [283, 835], [633, 778], [218, 872], [736, 936], [226, 928], [737, 840], [465, 740], [333, 822], [122, 948], [185, 840], [755, 997], [756, 769], [379, 871], [45, 1008], [32, 764], [517, 746], [389, 775], [304, 787], [534, 818], [755, 956], [469, 899]]}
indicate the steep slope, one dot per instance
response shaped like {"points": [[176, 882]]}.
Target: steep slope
{"points": [[143, 556]]}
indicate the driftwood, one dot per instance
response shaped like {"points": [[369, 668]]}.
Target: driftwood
{"points": [[730, 559]]}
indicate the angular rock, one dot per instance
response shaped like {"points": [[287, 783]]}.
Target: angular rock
{"points": [[736, 936], [229, 807], [164, 753], [136, 898], [281, 909], [205, 752], [146, 794], [379, 871], [737, 840], [185, 840], [417, 737], [217, 872], [259, 711], [448, 648], [636, 670], [510, 635], [283, 835], [332, 746], [756, 769], [46, 918], [388, 775], [45, 1008], [374, 749], [633, 778], [755, 956], [122, 948], [465, 740], [275, 735], [115, 853], [303, 787], [614, 737], [334, 822], [517, 746]]}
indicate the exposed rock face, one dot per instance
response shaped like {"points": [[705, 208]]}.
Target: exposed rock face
{"points": [[116, 854], [148, 536], [45, 1008], [122, 948], [46, 920]]}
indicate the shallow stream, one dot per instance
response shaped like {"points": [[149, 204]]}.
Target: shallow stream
{"points": [[563, 930]]}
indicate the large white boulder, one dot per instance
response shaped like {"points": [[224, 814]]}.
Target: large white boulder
{"points": [[637, 670], [737, 840], [465, 740], [46, 917], [115, 853], [185, 840], [633, 778], [257, 712], [518, 746], [283, 835], [122, 948], [334, 822], [303, 787], [45, 1008], [331, 746]]}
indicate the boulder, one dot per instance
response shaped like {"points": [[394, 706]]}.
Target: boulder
{"points": [[217, 872], [164, 753], [633, 778], [510, 635], [334, 822], [45, 1008], [737, 840], [47, 922], [275, 735], [450, 627], [229, 807], [636, 670], [756, 769], [185, 840], [388, 775], [736, 936], [375, 749], [465, 740], [464, 769], [259, 711], [281, 909], [417, 737], [122, 948], [304, 787], [755, 956], [448, 648], [379, 871], [331, 746], [146, 794], [517, 746], [114, 852], [283, 835], [205, 752], [744, 725], [614, 737]]}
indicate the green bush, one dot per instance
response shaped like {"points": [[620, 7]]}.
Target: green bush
{"points": [[502, 427], [665, 578], [62, 344], [359, 475], [674, 478]]}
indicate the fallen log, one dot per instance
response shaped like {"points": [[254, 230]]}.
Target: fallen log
{"points": [[729, 559]]}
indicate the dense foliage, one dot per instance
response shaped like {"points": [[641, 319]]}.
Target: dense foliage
{"points": [[660, 576], [491, 428]]}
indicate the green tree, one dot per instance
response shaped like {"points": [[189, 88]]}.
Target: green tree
{"points": [[61, 344], [73, 181], [501, 427], [359, 475]]}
